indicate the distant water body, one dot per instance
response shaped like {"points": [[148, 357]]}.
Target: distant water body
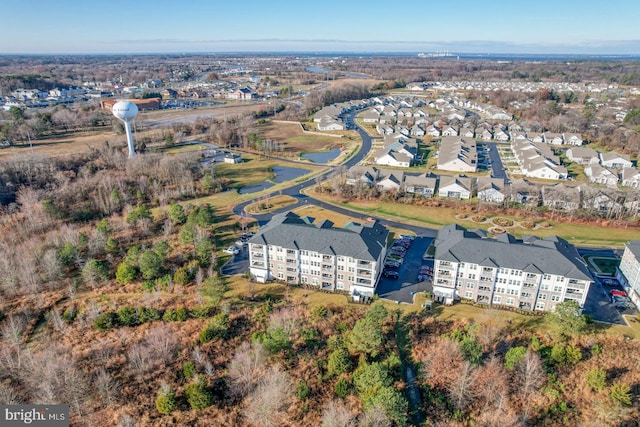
{"points": [[466, 56]]}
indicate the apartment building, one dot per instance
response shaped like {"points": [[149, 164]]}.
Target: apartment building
{"points": [[293, 249], [531, 274], [628, 272]]}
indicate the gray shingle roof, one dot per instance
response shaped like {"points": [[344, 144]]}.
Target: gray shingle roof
{"points": [[288, 230], [551, 255]]}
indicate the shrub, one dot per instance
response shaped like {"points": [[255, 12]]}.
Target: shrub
{"points": [[621, 393], [151, 265], [200, 312], [176, 214], [179, 314], [105, 321], [198, 394], [188, 370], [125, 273], [558, 354], [138, 213], [574, 355], [166, 400], [216, 328], [69, 315], [95, 270], [339, 362], [513, 357], [302, 390], [148, 314], [342, 387], [596, 379], [128, 316]]}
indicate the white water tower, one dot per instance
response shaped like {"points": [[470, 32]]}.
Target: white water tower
{"points": [[126, 111]]}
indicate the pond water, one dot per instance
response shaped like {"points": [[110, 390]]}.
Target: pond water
{"points": [[281, 174], [256, 187], [356, 75], [287, 174], [322, 157]]}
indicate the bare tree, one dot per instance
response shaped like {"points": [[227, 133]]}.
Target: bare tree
{"points": [[461, 390], [336, 414], [246, 367], [107, 387], [530, 375], [374, 417], [268, 401], [8, 395]]}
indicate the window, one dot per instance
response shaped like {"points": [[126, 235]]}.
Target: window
{"points": [[473, 267], [544, 287], [340, 285], [557, 289], [539, 306], [351, 278], [546, 277], [510, 301], [555, 298], [341, 267], [340, 276], [280, 276], [468, 294], [314, 281], [470, 285], [472, 276], [542, 296], [305, 279], [497, 299]]}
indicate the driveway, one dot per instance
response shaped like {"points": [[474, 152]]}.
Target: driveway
{"points": [[238, 264], [403, 288]]}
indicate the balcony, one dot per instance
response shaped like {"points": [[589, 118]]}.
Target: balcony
{"points": [[445, 273], [327, 268], [444, 264], [487, 270], [484, 289], [292, 261], [364, 282], [326, 258], [486, 279], [327, 276], [257, 264], [531, 277], [291, 270], [257, 247], [364, 263], [257, 254], [529, 285], [364, 273]]}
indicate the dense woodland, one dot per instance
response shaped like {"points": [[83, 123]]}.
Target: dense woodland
{"points": [[111, 298]]}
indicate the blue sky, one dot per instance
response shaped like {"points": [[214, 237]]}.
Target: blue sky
{"points": [[144, 26]]}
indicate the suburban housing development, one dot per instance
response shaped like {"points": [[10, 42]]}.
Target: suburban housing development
{"points": [[530, 274], [293, 249]]}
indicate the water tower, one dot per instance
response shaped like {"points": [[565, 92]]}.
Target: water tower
{"points": [[126, 111]]}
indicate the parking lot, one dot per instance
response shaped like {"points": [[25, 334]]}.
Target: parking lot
{"points": [[406, 285], [600, 305]]}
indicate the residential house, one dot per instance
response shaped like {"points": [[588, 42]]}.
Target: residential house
{"points": [[424, 184], [600, 175], [417, 131], [458, 154], [390, 157], [293, 249], [390, 180], [613, 160], [561, 197], [628, 272], [525, 193], [486, 135], [573, 139], [530, 274], [330, 124], [232, 158], [554, 138], [583, 155], [502, 136], [451, 131], [432, 130], [455, 187], [491, 190], [366, 175], [370, 116], [630, 177]]}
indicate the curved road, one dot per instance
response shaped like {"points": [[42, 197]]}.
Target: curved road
{"points": [[296, 192]]}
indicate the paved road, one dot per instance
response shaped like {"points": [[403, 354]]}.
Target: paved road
{"points": [[497, 168]]}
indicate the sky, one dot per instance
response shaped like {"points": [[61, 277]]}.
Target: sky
{"points": [[463, 26]]}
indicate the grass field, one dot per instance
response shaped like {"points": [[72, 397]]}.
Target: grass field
{"points": [[274, 203], [436, 217]]}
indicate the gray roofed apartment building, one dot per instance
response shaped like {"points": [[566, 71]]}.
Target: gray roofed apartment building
{"points": [[531, 274], [293, 249]]}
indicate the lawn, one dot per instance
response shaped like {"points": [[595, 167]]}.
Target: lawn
{"points": [[606, 265], [272, 204], [436, 217]]}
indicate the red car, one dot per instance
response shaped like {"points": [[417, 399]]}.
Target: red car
{"points": [[618, 293]]}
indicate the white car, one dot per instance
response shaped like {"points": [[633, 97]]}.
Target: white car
{"points": [[232, 250]]}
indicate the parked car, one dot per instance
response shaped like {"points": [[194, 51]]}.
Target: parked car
{"points": [[394, 258], [610, 282], [232, 250], [391, 264], [391, 274], [618, 293]]}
